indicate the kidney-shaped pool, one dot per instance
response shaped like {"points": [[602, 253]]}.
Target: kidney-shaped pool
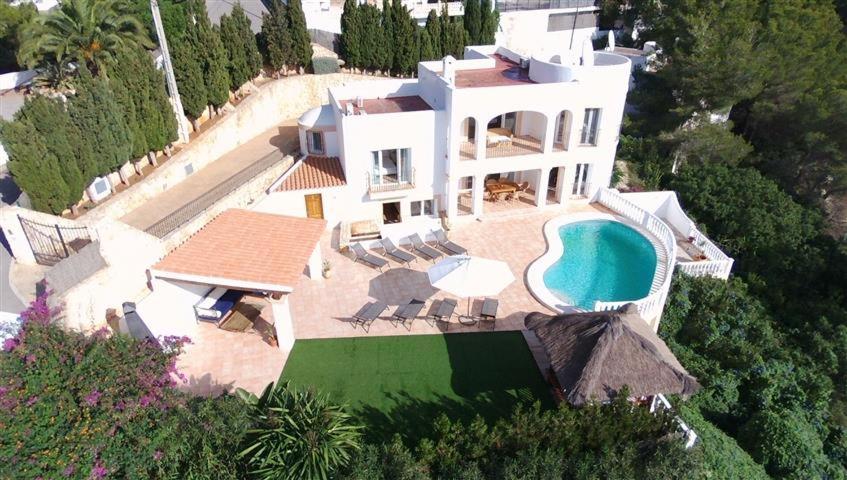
{"points": [[601, 260]]}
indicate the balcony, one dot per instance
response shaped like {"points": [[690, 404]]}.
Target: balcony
{"points": [[518, 145], [517, 5], [391, 184]]}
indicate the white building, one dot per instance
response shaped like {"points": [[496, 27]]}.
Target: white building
{"points": [[405, 152], [525, 24]]}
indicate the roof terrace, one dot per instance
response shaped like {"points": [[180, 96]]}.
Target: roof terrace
{"points": [[373, 106], [505, 72]]}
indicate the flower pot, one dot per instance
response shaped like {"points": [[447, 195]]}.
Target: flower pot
{"points": [[327, 273]]}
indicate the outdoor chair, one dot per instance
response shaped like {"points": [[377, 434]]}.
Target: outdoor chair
{"points": [[408, 313], [489, 311], [394, 252], [362, 255], [446, 244], [521, 188], [367, 314], [424, 249], [444, 311]]}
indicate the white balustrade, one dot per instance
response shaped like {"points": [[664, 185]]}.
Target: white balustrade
{"points": [[650, 306]]}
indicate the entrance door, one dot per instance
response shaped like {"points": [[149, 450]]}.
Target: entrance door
{"points": [[314, 206]]}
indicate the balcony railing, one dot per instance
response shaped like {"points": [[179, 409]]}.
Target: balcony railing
{"points": [[515, 5], [519, 145], [389, 184]]}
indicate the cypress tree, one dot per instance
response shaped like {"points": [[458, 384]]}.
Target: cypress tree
{"points": [[388, 50], [130, 93], [300, 41], [100, 120], [157, 109], [433, 28], [446, 32], [351, 34], [489, 24], [472, 20], [276, 35], [427, 48], [35, 170], [189, 78], [49, 118], [458, 38], [406, 49], [248, 40], [239, 71], [213, 58]]}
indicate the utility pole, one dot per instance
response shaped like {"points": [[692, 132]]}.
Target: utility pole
{"points": [[182, 123]]}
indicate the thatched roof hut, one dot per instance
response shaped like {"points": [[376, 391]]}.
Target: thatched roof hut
{"points": [[595, 354]]}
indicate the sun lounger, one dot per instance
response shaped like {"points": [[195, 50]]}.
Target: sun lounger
{"points": [[489, 310], [408, 312], [444, 311], [446, 244], [368, 313], [369, 258], [423, 248], [399, 255]]}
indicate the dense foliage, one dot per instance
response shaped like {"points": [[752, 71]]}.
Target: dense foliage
{"points": [[12, 21], [615, 441], [390, 41], [285, 40], [87, 32]]}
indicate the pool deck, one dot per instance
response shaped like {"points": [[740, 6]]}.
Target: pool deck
{"points": [[219, 360]]}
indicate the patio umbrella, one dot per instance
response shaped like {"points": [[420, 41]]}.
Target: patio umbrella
{"points": [[467, 277]]}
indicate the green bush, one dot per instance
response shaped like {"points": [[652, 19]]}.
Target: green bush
{"points": [[324, 65]]}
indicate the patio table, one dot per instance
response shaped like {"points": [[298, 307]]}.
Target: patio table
{"points": [[495, 189]]}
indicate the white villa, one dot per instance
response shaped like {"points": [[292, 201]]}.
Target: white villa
{"points": [[402, 153]]}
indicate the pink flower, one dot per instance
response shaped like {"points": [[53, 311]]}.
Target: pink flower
{"points": [[31, 400], [10, 344], [98, 471], [29, 359], [157, 455], [92, 398], [69, 470]]}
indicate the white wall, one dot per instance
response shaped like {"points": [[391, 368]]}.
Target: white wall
{"points": [[169, 309], [524, 31]]}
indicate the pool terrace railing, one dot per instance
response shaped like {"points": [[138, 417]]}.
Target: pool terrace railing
{"points": [[717, 263], [651, 306]]}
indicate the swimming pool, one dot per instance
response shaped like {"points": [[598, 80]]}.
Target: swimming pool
{"points": [[598, 259]]}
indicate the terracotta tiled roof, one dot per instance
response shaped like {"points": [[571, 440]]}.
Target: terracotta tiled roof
{"points": [[315, 172], [243, 246]]}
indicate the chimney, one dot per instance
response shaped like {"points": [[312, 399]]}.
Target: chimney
{"points": [[348, 108], [448, 69], [360, 102]]}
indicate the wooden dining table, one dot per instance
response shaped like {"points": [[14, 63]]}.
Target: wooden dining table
{"points": [[495, 189]]}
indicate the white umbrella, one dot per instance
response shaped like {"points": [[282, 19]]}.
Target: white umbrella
{"points": [[468, 277]]}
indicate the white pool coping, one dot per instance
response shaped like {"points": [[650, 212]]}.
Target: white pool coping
{"points": [[556, 249]]}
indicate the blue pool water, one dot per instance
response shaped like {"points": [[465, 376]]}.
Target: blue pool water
{"points": [[603, 260]]}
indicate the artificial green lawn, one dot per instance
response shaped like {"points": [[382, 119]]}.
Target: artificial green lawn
{"points": [[401, 384]]}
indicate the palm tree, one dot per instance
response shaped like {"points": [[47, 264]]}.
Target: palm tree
{"points": [[297, 434], [82, 31]]}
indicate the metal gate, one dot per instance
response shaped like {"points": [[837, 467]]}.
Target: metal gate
{"points": [[52, 243]]}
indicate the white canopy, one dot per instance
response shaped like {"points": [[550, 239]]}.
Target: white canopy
{"points": [[466, 276]]}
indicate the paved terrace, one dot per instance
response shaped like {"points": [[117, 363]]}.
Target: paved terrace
{"points": [[322, 308]]}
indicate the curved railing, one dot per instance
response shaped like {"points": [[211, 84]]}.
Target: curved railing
{"points": [[650, 307], [717, 263]]}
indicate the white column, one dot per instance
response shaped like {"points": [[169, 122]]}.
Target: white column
{"points": [[480, 139], [316, 264], [452, 198], [478, 194], [541, 188], [561, 186], [549, 133], [283, 326]]}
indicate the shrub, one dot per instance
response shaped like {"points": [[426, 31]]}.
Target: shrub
{"points": [[324, 65], [83, 406], [297, 434]]}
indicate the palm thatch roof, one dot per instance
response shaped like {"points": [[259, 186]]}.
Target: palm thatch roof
{"points": [[595, 354]]}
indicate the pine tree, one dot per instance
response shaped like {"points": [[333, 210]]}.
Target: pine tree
{"points": [[51, 121], [189, 78], [236, 53], [490, 22], [95, 111], [472, 20], [351, 34], [433, 28], [277, 36], [301, 43], [35, 170]]}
